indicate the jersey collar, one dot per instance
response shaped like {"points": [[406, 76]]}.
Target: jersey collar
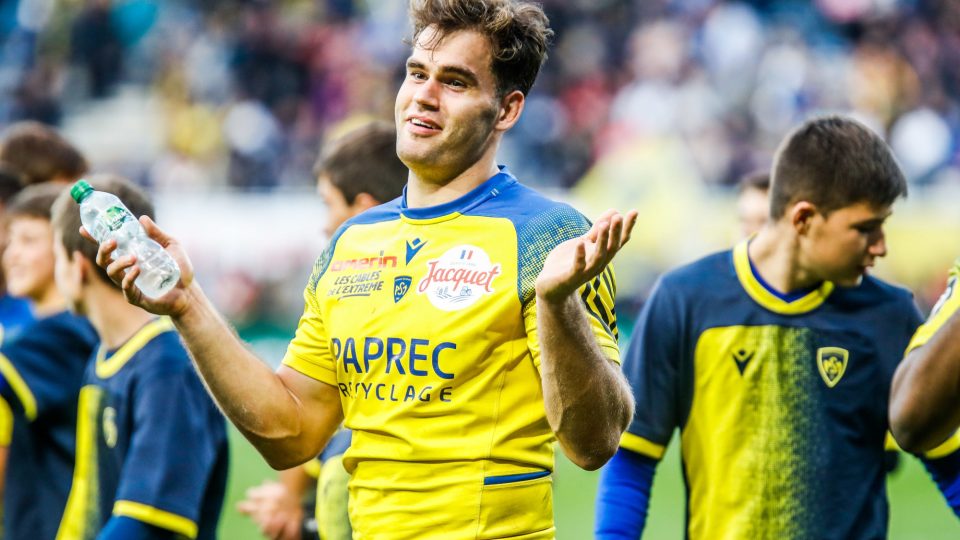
{"points": [[108, 367], [449, 210], [761, 295]]}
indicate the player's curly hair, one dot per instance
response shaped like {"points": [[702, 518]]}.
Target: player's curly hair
{"points": [[834, 162], [519, 34]]}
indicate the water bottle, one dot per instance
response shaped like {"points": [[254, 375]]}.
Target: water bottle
{"points": [[105, 217]]}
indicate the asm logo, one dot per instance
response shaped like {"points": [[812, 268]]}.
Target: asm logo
{"points": [[401, 285], [832, 363]]}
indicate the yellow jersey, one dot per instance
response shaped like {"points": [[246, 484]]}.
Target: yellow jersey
{"points": [[425, 319]]}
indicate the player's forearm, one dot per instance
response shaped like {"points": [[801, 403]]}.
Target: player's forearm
{"points": [[587, 400], [925, 395], [252, 396]]}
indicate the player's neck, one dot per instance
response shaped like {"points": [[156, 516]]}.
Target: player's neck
{"points": [[774, 255], [114, 319], [48, 303], [423, 190]]}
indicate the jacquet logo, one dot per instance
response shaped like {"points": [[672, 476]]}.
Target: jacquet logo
{"points": [[459, 278]]}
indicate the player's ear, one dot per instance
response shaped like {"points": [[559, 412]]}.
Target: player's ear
{"points": [[801, 216], [83, 266], [511, 105]]}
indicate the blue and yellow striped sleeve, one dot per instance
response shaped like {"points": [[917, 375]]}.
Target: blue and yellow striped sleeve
{"points": [[178, 436], [158, 518], [597, 297], [537, 236], [652, 367]]}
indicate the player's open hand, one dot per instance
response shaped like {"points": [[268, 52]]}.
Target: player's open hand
{"points": [[274, 509], [578, 260], [124, 271]]}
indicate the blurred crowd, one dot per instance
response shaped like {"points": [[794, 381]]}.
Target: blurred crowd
{"points": [[657, 104], [241, 93]]}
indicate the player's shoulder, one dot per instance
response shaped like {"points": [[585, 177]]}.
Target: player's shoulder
{"points": [[874, 291], [386, 212], [63, 331], [708, 273], [65, 323], [529, 209]]}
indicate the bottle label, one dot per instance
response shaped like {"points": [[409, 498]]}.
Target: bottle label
{"points": [[114, 218]]}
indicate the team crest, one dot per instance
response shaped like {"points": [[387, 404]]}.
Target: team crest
{"points": [[832, 363], [401, 284], [459, 278]]}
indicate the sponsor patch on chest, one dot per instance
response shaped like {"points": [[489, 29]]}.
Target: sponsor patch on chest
{"points": [[459, 278]]}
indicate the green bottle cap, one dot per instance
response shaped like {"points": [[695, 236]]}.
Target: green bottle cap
{"points": [[80, 190]]}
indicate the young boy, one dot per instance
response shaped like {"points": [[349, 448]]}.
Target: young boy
{"points": [[774, 360], [40, 374], [151, 446]]}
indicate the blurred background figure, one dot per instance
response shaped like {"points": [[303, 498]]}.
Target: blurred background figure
{"points": [[30, 153], [40, 375], [219, 106], [753, 202], [15, 313], [355, 173], [38, 153]]}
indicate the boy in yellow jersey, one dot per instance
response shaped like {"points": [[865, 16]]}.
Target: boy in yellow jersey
{"points": [[357, 172], [459, 330], [774, 360], [40, 373]]}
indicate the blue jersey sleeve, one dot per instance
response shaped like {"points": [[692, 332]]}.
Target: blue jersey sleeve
{"points": [[653, 366], [623, 496], [177, 438], [42, 370], [124, 528]]}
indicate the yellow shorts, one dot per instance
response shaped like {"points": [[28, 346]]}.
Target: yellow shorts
{"points": [[435, 508]]}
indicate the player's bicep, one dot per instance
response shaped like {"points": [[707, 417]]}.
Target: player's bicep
{"points": [[320, 407], [309, 352]]}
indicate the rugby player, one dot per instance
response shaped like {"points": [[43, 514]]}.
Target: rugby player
{"points": [[459, 330]]}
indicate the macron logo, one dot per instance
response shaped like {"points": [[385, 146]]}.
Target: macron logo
{"points": [[413, 247]]}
